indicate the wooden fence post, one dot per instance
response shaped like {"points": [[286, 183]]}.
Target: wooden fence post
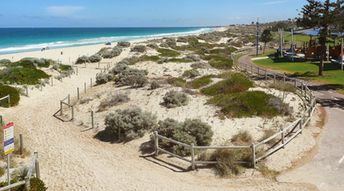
{"points": [[38, 173], [192, 157], [78, 93], [253, 155], [156, 143], [266, 74], [72, 113], [85, 87], [9, 100], [301, 124], [61, 108], [274, 78], [258, 69], [283, 137], [91, 82], [1, 122], [26, 91], [92, 120], [68, 99], [21, 144]]}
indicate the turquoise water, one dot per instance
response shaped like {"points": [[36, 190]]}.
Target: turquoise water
{"points": [[27, 39]]}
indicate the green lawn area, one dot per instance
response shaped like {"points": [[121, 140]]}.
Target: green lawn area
{"points": [[307, 70]]}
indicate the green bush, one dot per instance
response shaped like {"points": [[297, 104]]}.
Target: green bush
{"points": [[139, 48], [248, 104], [220, 62], [120, 67], [82, 60], [283, 87], [199, 82], [103, 78], [235, 83], [13, 92], [129, 124], [4, 62], [132, 77], [37, 184], [174, 99], [37, 62], [178, 82], [22, 75], [168, 52], [123, 44], [154, 85], [191, 131], [191, 73], [95, 58]]}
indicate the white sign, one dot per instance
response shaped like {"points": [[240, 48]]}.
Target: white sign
{"points": [[8, 138]]}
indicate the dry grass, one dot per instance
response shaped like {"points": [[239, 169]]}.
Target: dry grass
{"points": [[242, 138]]}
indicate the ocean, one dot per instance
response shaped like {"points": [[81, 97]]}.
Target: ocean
{"points": [[14, 40]]}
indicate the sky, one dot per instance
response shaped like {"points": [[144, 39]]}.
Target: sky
{"points": [[143, 13]]}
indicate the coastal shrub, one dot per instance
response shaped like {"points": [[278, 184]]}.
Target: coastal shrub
{"points": [[236, 82], [178, 82], [250, 103], [174, 99], [200, 65], [164, 45], [113, 100], [38, 62], [168, 52], [171, 42], [242, 138], [177, 60], [146, 58], [191, 131], [37, 184], [193, 57], [227, 161], [199, 82], [29, 75], [154, 85], [8, 90], [220, 62], [5, 62], [153, 46], [95, 58], [129, 124], [82, 60], [103, 78], [111, 53], [282, 86], [191, 73], [139, 48], [132, 77], [123, 44], [182, 39], [120, 67]]}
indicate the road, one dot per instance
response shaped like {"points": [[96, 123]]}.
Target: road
{"points": [[326, 169]]}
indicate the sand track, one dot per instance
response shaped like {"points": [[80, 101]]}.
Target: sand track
{"points": [[71, 160]]}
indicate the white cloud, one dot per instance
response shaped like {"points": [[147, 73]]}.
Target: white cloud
{"points": [[63, 11], [274, 2]]}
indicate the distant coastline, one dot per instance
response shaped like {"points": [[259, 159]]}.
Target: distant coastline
{"points": [[18, 40]]}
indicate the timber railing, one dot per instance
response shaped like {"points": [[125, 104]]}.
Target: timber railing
{"points": [[8, 97], [261, 149], [33, 171]]}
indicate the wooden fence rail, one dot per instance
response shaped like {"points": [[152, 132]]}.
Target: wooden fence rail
{"points": [[33, 171]]}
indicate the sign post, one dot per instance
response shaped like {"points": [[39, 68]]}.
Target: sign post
{"points": [[8, 146]]}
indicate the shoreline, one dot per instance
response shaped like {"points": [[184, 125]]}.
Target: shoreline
{"points": [[88, 49]]}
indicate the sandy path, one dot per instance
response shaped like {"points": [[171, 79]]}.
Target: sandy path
{"points": [[72, 160]]}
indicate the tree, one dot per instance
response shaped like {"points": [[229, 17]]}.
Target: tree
{"points": [[319, 14], [266, 37]]}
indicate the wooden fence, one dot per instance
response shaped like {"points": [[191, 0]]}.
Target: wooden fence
{"points": [[33, 171], [280, 139], [8, 97]]}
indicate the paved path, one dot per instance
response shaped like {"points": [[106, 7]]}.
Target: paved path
{"points": [[326, 169]]}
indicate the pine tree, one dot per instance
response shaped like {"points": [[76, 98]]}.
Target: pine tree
{"points": [[321, 15], [266, 37]]}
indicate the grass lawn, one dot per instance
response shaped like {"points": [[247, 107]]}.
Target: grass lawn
{"points": [[307, 70]]}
